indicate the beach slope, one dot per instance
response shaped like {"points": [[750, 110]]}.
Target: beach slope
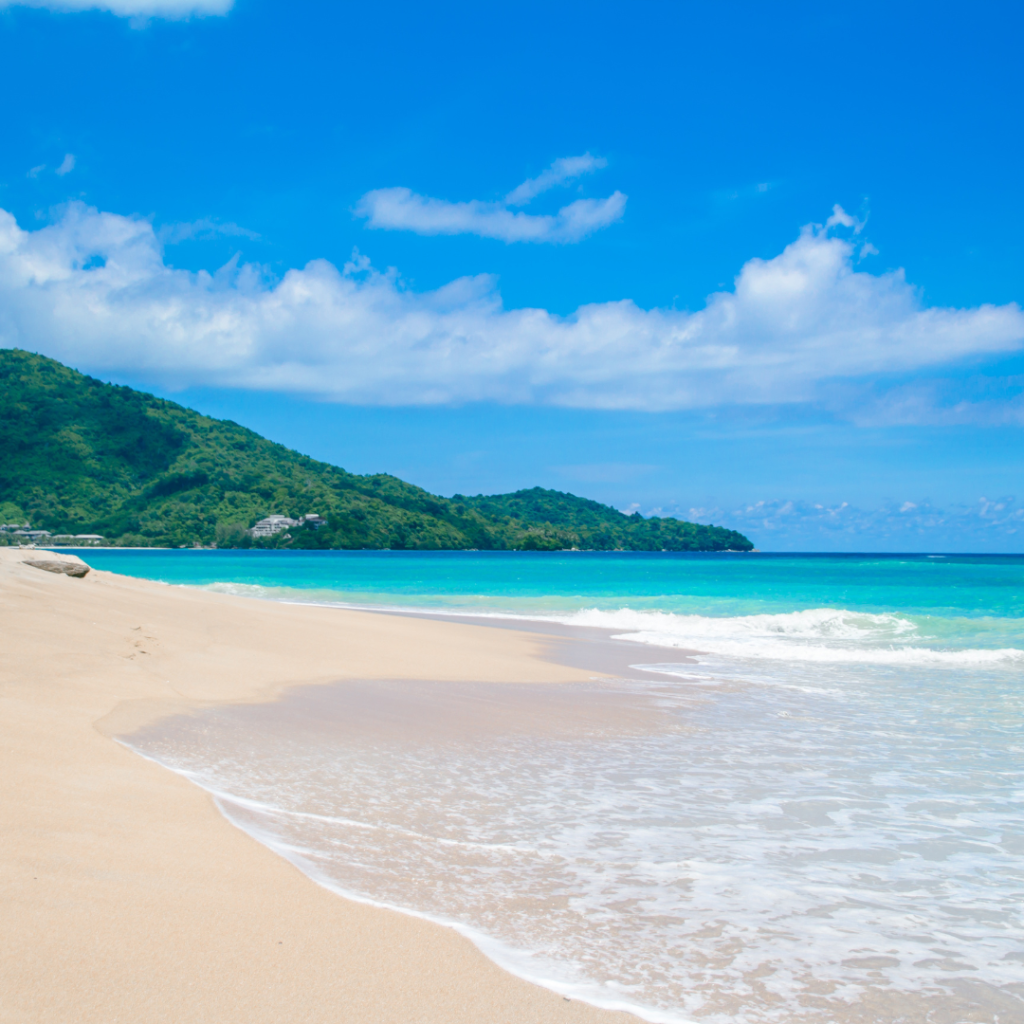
{"points": [[127, 897]]}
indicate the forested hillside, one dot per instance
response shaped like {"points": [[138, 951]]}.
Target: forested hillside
{"points": [[81, 456]]}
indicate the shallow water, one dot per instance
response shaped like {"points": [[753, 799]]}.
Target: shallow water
{"points": [[560, 582], [816, 818]]}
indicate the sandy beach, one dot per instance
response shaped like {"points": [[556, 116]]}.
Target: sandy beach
{"points": [[127, 897]]}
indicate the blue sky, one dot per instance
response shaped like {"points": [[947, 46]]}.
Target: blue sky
{"points": [[756, 264]]}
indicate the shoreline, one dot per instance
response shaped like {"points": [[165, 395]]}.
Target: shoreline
{"points": [[512, 551], [132, 896]]}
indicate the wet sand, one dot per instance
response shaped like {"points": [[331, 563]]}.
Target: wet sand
{"points": [[128, 897]]}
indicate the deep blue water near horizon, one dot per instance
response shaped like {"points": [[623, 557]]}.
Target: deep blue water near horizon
{"points": [[829, 828]]}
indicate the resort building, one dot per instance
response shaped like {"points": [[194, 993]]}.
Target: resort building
{"points": [[272, 524], [275, 524]]}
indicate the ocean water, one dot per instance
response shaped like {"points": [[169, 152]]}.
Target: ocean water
{"points": [[803, 802]]}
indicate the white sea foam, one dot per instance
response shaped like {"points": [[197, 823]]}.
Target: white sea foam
{"points": [[839, 819], [245, 589], [815, 635], [782, 855]]}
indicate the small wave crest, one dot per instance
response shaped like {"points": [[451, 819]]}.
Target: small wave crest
{"points": [[827, 635], [813, 635]]}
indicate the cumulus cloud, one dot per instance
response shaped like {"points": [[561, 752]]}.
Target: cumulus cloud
{"points": [[67, 165], [983, 525], [95, 290], [840, 218], [171, 9], [400, 209]]}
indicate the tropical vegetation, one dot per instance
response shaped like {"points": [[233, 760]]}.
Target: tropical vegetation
{"points": [[79, 456]]}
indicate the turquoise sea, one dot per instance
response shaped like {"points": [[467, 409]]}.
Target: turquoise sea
{"points": [[817, 817], [949, 586]]}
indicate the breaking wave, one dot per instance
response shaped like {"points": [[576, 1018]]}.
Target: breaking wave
{"points": [[813, 635]]}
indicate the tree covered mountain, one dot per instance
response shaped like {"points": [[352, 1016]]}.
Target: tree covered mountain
{"points": [[81, 456]]}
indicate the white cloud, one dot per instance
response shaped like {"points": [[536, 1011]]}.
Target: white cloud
{"points": [[790, 324], [977, 399], [840, 218], [404, 210], [67, 165], [36, 171], [201, 230], [782, 525], [171, 9], [562, 171]]}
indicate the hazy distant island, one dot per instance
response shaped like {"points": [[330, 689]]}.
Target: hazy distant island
{"points": [[89, 462]]}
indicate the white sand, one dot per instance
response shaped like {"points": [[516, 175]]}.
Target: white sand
{"points": [[127, 897]]}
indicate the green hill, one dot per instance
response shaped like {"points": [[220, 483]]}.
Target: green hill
{"points": [[81, 456]]}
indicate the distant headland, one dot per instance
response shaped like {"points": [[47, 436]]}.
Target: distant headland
{"points": [[88, 463]]}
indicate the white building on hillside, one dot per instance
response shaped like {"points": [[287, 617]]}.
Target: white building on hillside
{"points": [[272, 524]]}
